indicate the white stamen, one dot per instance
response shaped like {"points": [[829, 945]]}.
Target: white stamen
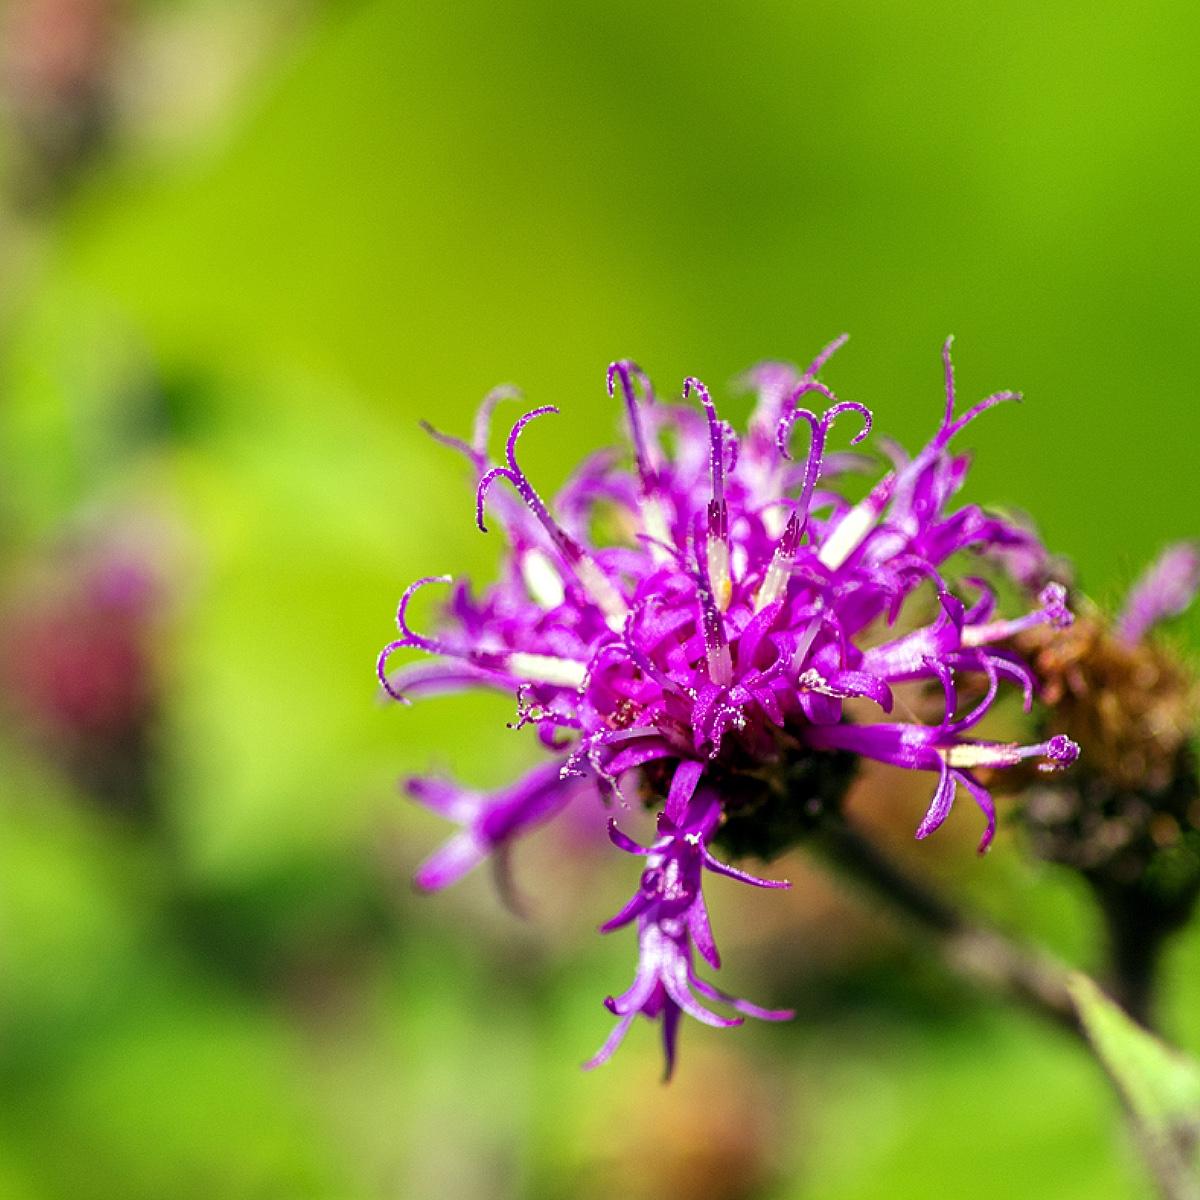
{"points": [[849, 533], [773, 584], [720, 665], [546, 668], [1053, 612], [1058, 752], [982, 635], [976, 754], [717, 550], [542, 579], [654, 526], [775, 522], [805, 643], [597, 585]]}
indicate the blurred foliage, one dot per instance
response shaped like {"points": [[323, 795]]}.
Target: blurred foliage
{"points": [[305, 227], [1160, 1086]]}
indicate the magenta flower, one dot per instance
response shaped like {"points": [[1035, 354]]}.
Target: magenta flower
{"points": [[717, 640]]}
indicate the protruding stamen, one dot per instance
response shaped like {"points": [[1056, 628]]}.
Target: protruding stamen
{"points": [[482, 427], [820, 427], [716, 648], [542, 579], [775, 383], [948, 370], [1053, 611], [949, 425], [600, 588], [513, 473], [594, 581], [547, 668], [532, 667], [860, 520], [625, 370], [1059, 751], [430, 645], [654, 519], [451, 442], [716, 546], [827, 352], [848, 534], [717, 551], [716, 644], [476, 449], [717, 435], [408, 639], [776, 578]]}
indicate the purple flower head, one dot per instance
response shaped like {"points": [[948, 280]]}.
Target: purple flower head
{"points": [[1166, 589], [745, 620]]}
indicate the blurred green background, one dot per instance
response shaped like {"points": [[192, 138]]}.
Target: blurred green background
{"points": [[244, 248]]}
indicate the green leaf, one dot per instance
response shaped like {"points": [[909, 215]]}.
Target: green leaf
{"points": [[1159, 1086]]}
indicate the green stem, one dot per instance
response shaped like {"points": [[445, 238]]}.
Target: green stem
{"points": [[983, 955], [992, 961]]}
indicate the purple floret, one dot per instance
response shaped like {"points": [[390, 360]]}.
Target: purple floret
{"points": [[672, 919], [743, 602], [1165, 590]]}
